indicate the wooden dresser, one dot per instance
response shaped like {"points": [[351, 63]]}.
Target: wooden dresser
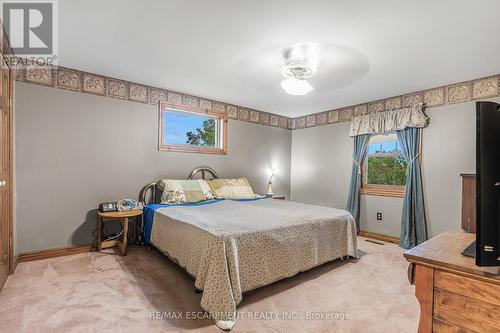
{"points": [[469, 202], [454, 294]]}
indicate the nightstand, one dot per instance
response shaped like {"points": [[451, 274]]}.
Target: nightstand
{"points": [[123, 217], [279, 197]]}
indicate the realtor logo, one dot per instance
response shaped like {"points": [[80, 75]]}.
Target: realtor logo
{"points": [[31, 26]]}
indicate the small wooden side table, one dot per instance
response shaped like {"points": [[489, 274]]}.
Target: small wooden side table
{"points": [[109, 216]]}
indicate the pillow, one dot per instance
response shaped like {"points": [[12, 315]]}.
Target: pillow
{"points": [[184, 191], [232, 188]]}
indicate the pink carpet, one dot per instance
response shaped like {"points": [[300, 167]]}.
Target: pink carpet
{"points": [[145, 292]]}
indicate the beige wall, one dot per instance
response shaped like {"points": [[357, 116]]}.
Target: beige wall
{"points": [[75, 150], [321, 167]]}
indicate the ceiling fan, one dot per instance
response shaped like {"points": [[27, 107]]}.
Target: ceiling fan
{"points": [[301, 62]]}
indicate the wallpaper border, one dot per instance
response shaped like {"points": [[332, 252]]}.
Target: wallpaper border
{"points": [[95, 84], [90, 83], [485, 87]]}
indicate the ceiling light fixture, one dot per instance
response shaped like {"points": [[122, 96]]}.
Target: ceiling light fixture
{"points": [[297, 87], [300, 64]]}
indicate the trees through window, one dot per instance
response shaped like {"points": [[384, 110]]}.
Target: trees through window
{"points": [[384, 166], [192, 130]]}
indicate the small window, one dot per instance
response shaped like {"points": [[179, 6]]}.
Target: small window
{"points": [[185, 129], [384, 167]]}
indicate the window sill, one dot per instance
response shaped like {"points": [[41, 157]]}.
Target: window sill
{"points": [[383, 192], [198, 150]]}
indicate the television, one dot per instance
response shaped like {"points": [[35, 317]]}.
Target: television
{"points": [[487, 245]]}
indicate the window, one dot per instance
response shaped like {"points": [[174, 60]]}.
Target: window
{"points": [[187, 129], [384, 168]]}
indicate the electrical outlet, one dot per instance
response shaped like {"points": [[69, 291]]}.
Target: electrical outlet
{"points": [[379, 216]]}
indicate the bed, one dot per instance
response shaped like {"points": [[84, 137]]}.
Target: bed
{"points": [[234, 246]]}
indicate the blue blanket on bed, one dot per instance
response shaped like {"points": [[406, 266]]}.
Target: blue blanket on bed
{"points": [[149, 213]]}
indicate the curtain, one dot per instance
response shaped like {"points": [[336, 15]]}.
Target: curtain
{"points": [[388, 121], [413, 227], [360, 144]]}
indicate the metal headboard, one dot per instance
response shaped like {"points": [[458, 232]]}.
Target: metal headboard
{"points": [[151, 193], [203, 170]]}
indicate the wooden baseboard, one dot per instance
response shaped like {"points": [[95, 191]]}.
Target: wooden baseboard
{"points": [[66, 251], [13, 264], [380, 237], [51, 253]]}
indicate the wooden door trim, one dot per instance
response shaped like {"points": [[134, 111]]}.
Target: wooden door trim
{"points": [[9, 139], [6, 50], [10, 225]]}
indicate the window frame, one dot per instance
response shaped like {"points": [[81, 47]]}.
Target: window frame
{"points": [[185, 148], [396, 191]]}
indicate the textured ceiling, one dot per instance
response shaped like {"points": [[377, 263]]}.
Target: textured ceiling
{"points": [[229, 50]]}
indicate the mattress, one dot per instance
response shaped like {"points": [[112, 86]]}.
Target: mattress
{"points": [[231, 247]]}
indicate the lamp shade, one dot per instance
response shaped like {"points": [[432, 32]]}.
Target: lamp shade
{"points": [[297, 87]]}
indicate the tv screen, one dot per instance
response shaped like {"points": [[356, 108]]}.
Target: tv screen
{"points": [[488, 184]]}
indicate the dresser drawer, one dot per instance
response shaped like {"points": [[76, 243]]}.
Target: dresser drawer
{"points": [[441, 326], [477, 289], [465, 305]]}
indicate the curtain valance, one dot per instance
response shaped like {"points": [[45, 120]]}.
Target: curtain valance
{"points": [[388, 121]]}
